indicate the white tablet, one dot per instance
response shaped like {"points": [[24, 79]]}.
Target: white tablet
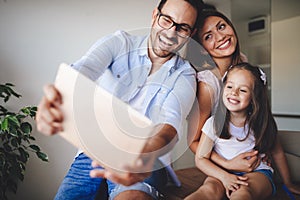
{"points": [[104, 127]]}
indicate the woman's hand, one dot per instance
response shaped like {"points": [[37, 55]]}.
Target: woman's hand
{"points": [[244, 162]]}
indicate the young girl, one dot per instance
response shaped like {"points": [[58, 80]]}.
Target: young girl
{"points": [[247, 124]]}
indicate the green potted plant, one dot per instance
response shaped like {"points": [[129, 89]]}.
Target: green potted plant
{"points": [[16, 141]]}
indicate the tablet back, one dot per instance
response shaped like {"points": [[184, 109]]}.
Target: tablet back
{"points": [[104, 127]]}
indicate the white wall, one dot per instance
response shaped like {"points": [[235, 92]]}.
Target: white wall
{"points": [[223, 6], [257, 47], [285, 68], [35, 36], [278, 47], [285, 72]]}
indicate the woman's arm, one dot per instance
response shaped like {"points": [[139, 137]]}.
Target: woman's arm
{"points": [[200, 112], [244, 162], [283, 168]]}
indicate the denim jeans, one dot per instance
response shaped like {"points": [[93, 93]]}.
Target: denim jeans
{"points": [[78, 184]]}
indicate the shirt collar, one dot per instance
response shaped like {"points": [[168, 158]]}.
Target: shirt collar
{"points": [[143, 49]]}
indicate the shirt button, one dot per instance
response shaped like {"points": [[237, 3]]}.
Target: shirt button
{"points": [[118, 76]]}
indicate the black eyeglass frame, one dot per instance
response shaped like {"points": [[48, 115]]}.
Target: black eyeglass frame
{"points": [[178, 26]]}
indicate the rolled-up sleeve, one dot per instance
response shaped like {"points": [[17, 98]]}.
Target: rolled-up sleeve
{"points": [[100, 55]]}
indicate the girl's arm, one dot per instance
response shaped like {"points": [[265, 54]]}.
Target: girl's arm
{"points": [[230, 182], [283, 168], [200, 112]]}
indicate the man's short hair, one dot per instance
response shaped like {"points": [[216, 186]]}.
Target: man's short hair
{"points": [[197, 4]]}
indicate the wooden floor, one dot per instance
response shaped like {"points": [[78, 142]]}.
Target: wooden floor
{"points": [[192, 178]]}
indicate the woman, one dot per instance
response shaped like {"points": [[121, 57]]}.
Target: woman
{"points": [[219, 39], [217, 35]]}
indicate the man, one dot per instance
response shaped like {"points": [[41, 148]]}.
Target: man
{"points": [[146, 73]]}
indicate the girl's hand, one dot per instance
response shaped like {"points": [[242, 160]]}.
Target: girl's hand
{"points": [[232, 183]]}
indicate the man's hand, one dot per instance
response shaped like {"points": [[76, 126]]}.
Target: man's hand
{"points": [[156, 146], [132, 175], [49, 115]]}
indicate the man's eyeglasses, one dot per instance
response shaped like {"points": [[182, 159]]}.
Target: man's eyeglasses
{"points": [[165, 21]]}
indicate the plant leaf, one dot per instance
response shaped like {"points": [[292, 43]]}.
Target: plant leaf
{"points": [[7, 147], [3, 110], [12, 92], [31, 138], [26, 127], [10, 84], [26, 110], [20, 116], [4, 124], [35, 147], [29, 110], [42, 156], [13, 131], [33, 111], [6, 98], [24, 155], [6, 91], [2, 160], [13, 120], [14, 142]]}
